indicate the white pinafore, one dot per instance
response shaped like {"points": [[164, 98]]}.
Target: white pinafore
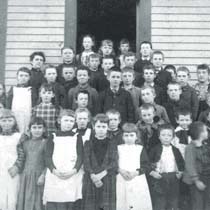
{"points": [[64, 159], [133, 194], [8, 186], [21, 106]]}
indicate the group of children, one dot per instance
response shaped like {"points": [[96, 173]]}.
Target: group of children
{"points": [[105, 132]]}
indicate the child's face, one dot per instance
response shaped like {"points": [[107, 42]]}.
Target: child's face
{"points": [[7, 124], [202, 75], [115, 79], [130, 61], [114, 121], [129, 138], [23, 78], [67, 55], [166, 136], [87, 43], [184, 121], [107, 64], [82, 76], [46, 96], [147, 96], [147, 115], [94, 63], [149, 75], [182, 78], [174, 92], [82, 120], [106, 50], [82, 100], [37, 130], [67, 123], [1, 90], [124, 48], [127, 78], [173, 75], [145, 50], [68, 73], [157, 60], [101, 129], [37, 62], [50, 75]]}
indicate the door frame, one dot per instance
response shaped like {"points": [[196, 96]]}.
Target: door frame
{"points": [[143, 22]]}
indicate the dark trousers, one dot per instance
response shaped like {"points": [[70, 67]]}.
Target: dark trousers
{"points": [[64, 206], [166, 192], [201, 199]]}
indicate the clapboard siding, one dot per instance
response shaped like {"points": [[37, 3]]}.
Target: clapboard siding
{"points": [[181, 30], [33, 26]]}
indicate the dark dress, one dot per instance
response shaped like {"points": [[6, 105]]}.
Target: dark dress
{"points": [[100, 155]]}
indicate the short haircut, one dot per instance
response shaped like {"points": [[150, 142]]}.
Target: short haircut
{"points": [[114, 69], [124, 41], [82, 92], [68, 66], [148, 87], [24, 69], [37, 121], [47, 87], [149, 67], [170, 67], [50, 66], [129, 54], [108, 42], [102, 118], [174, 83], [146, 106], [129, 127], [195, 130], [83, 68], [94, 55], [128, 69], [37, 53], [203, 67], [81, 110], [67, 47], [146, 42], [158, 52], [183, 69], [114, 112], [183, 112], [66, 112], [108, 57], [166, 127]]}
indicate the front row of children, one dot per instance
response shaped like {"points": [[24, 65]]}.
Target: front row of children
{"points": [[100, 170]]}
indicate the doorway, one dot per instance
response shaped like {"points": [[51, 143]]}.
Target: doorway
{"points": [[107, 19]]}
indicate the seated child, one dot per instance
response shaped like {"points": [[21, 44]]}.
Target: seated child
{"points": [[172, 70], [64, 159], [163, 78], [148, 96], [129, 59], [128, 76], [202, 86], [168, 168], [46, 109], [82, 75], [133, 163], [148, 126], [60, 98], [114, 132], [188, 93], [100, 166], [197, 166], [117, 98], [124, 48]]}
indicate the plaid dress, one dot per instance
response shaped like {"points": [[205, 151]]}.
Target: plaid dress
{"points": [[49, 113], [105, 196]]}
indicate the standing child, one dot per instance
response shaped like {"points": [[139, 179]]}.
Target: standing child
{"points": [[172, 70], [46, 109], [129, 59], [33, 175], [197, 166], [100, 165], [64, 158], [168, 168], [3, 94], [11, 159], [107, 48], [133, 163], [124, 48]]}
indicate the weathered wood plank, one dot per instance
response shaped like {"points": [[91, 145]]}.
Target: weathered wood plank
{"points": [[36, 3], [36, 38], [186, 61], [40, 9], [186, 54], [41, 16], [180, 39], [181, 10], [34, 45], [35, 23], [181, 3]]}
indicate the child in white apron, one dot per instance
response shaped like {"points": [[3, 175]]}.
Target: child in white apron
{"points": [[132, 189], [63, 183], [10, 159]]}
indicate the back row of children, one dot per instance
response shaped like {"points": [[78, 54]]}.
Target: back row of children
{"points": [[137, 93]]}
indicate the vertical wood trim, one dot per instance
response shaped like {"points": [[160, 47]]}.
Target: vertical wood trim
{"points": [[70, 36], [143, 21], [3, 32]]}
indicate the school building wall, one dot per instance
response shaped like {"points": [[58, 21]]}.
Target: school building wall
{"points": [[179, 28]]}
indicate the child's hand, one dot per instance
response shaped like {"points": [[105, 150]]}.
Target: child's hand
{"points": [[57, 173], [133, 174], [69, 174], [98, 184], [200, 185], [125, 174], [94, 178], [13, 171], [41, 180], [155, 175], [179, 174]]}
